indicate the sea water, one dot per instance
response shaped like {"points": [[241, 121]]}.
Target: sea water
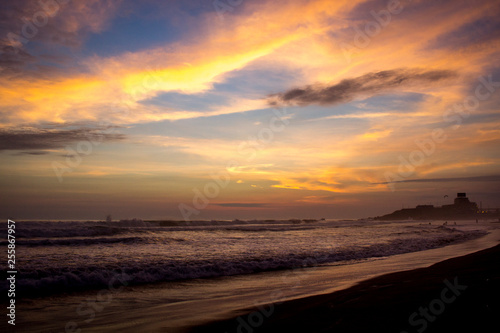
{"points": [[164, 276], [56, 257]]}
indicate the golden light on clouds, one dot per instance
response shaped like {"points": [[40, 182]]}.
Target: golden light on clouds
{"points": [[361, 91]]}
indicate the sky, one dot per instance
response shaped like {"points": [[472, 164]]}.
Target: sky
{"points": [[248, 109]]}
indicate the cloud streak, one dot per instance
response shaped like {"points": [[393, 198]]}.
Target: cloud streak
{"points": [[492, 178], [35, 139], [241, 205], [363, 86]]}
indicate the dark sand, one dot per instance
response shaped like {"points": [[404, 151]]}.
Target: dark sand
{"points": [[385, 303]]}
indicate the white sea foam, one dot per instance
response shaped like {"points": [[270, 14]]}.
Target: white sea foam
{"points": [[56, 257]]}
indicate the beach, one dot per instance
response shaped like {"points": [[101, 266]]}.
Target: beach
{"points": [[283, 295], [455, 295], [243, 166]]}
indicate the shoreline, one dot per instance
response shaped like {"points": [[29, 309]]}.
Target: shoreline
{"points": [[181, 306], [394, 302]]}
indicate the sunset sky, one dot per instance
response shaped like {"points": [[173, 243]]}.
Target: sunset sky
{"points": [[246, 109]]}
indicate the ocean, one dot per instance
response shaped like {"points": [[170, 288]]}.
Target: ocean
{"points": [[139, 263]]}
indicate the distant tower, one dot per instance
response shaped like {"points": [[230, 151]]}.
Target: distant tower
{"points": [[463, 203], [109, 219], [461, 199]]}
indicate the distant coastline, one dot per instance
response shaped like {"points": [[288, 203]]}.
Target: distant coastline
{"points": [[461, 209]]}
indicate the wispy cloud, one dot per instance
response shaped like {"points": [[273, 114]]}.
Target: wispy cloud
{"points": [[363, 86], [194, 92], [241, 205], [492, 178], [40, 139], [33, 153]]}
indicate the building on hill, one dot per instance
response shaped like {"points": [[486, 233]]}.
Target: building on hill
{"points": [[461, 209]]}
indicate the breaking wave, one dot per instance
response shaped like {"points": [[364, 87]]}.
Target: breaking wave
{"points": [[47, 280]]}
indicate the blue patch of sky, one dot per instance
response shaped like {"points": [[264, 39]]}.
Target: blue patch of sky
{"points": [[325, 127], [487, 70], [313, 112], [147, 24], [473, 118], [252, 84], [238, 126], [235, 126], [261, 82], [188, 102], [131, 34], [401, 102], [481, 118]]}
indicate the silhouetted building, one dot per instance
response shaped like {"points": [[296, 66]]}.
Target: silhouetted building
{"points": [[461, 208]]}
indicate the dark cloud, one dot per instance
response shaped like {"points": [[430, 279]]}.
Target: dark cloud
{"points": [[12, 61], [36, 153], [41, 139], [493, 178], [241, 205], [16, 31], [363, 86], [56, 29]]}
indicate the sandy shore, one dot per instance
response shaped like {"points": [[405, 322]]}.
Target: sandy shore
{"points": [[456, 295]]}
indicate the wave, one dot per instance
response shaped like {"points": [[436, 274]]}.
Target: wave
{"points": [[91, 241], [45, 229], [37, 229], [48, 281]]}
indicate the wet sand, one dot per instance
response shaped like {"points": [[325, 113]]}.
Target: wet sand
{"points": [[456, 295]]}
